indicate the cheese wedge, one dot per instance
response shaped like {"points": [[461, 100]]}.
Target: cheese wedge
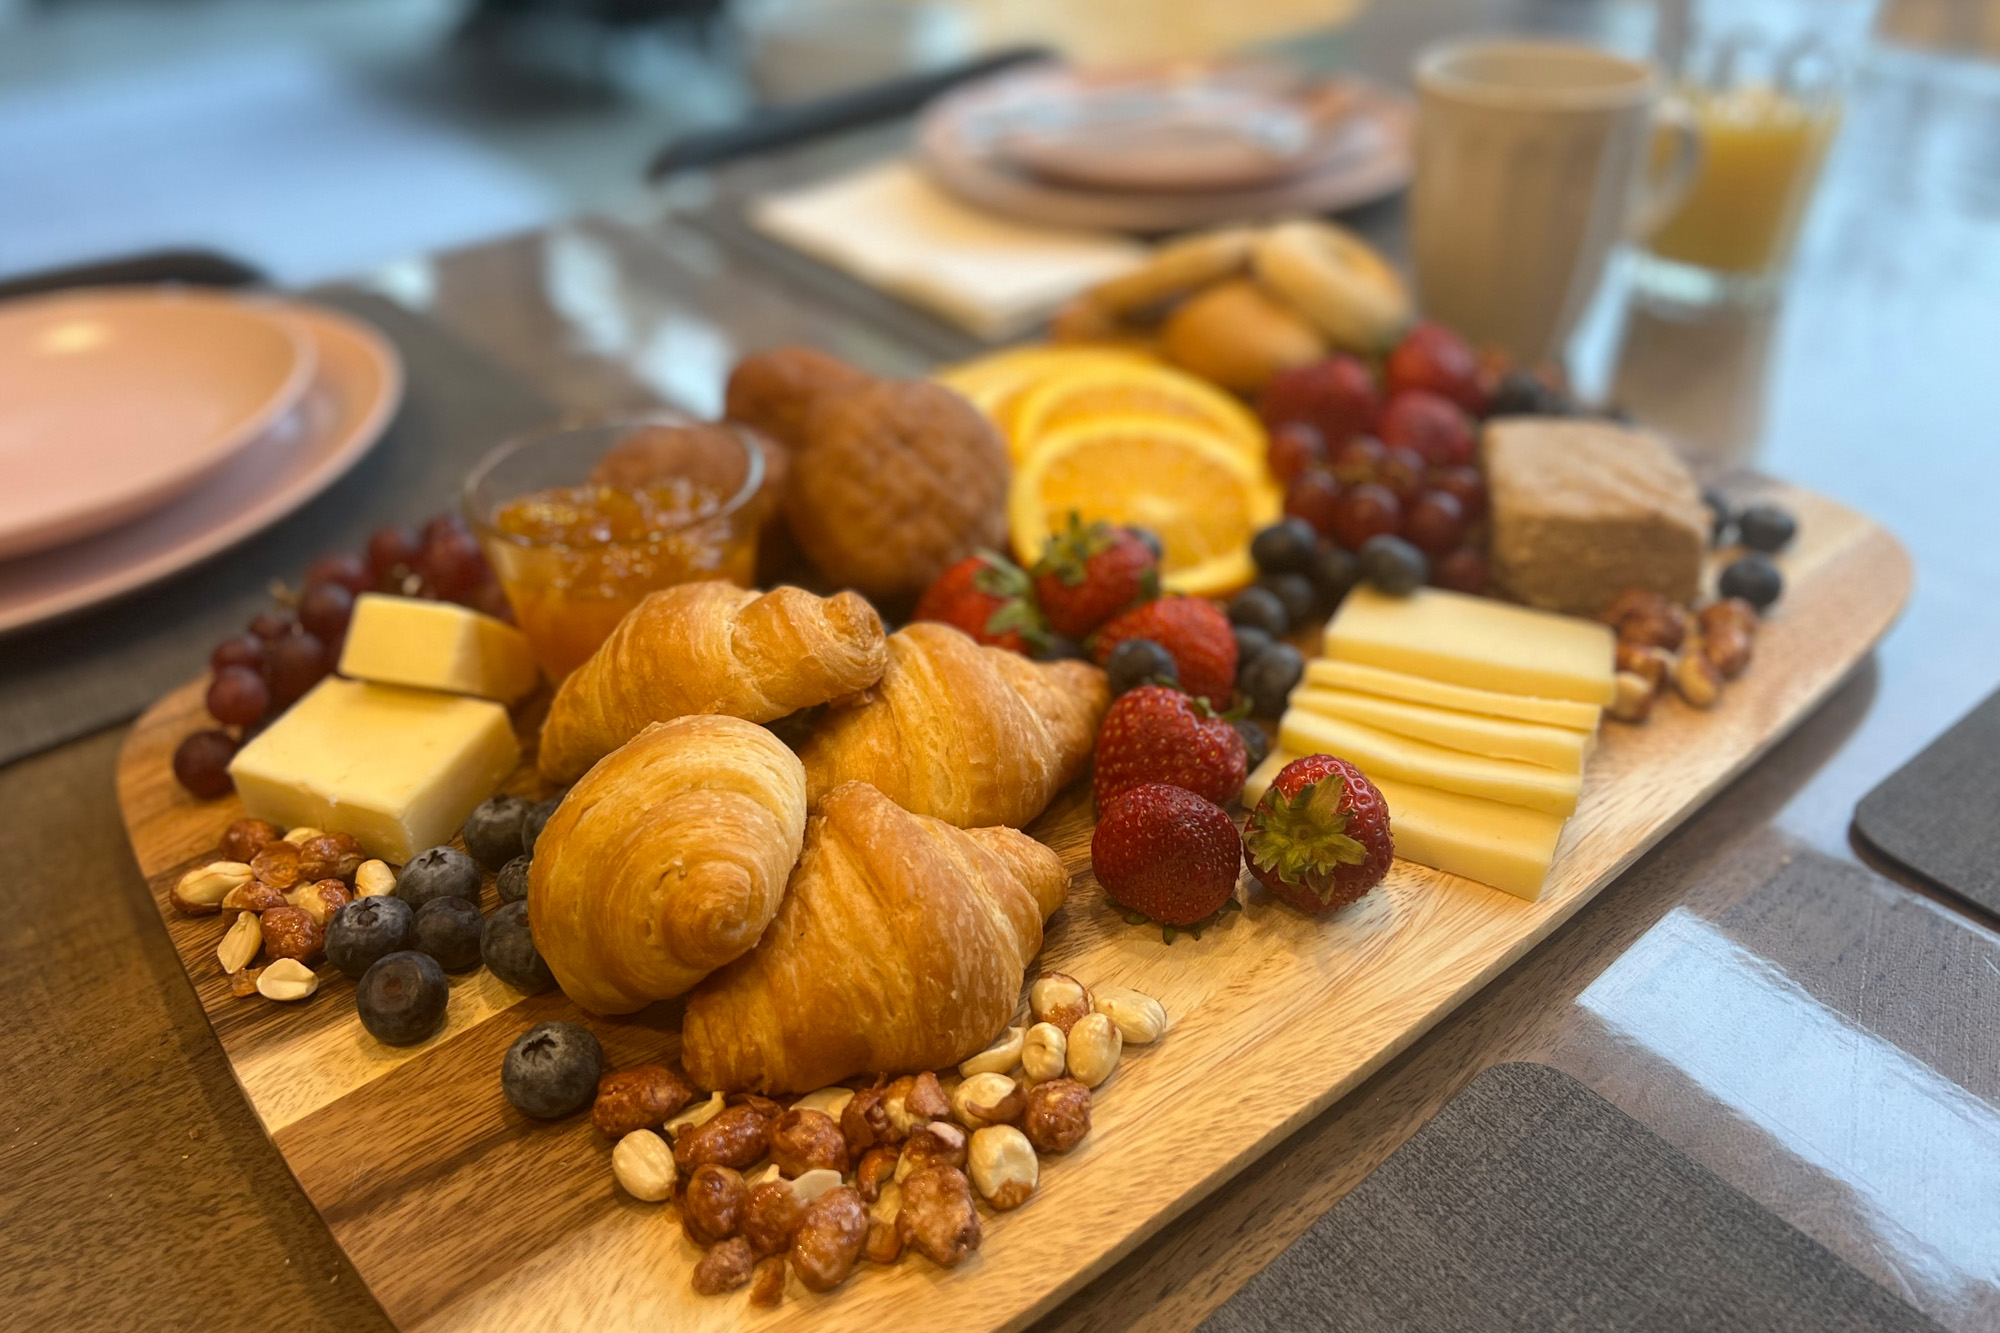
{"points": [[1502, 846], [1475, 641], [1560, 748], [1322, 671], [437, 646], [400, 769], [1406, 759]]}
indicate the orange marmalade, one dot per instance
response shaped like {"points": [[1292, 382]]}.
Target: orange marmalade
{"points": [[574, 559]]}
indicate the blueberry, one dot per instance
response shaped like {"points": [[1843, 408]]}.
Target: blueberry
{"points": [[1150, 540], [1334, 573], [551, 1070], [365, 930], [1269, 678], [1286, 546], [533, 821], [1295, 591], [1059, 648], [1721, 518], [1766, 528], [1753, 578], [1522, 393], [510, 953], [1249, 642], [1137, 662], [1260, 609], [441, 872], [513, 880], [448, 930], [492, 831], [1393, 565], [1254, 741], [401, 998]]}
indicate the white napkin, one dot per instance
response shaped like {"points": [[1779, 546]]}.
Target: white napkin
{"points": [[890, 227]]}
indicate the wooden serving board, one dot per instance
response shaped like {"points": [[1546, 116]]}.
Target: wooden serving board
{"points": [[461, 1214]]}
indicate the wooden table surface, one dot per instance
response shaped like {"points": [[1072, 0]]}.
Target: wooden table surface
{"points": [[1818, 1034]]}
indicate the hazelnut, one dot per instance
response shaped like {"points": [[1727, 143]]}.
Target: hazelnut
{"points": [[643, 1165], [885, 1243], [373, 879], [241, 943], [1696, 678], [1633, 698], [1094, 1048], [1003, 1166], [286, 979], [1138, 1017], [304, 833], [1044, 1052], [201, 890], [290, 932], [330, 856], [938, 1219], [641, 1097], [988, 1099], [807, 1140], [246, 837], [277, 864], [319, 900], [935, 1143], [1058, 1115], [832, 1100], [695, 1116], [998, 1058], [254, 896], [724, 1268], [1059, 999]]}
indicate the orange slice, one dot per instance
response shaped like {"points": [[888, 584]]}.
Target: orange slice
{"points": [[1195, 488], [1113, 389], [993, 383]]}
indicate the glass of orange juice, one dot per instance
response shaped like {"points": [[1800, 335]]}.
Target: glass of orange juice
{"points": [[582, 521], [1763, 79]]}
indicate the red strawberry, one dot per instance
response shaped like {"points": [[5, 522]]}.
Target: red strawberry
{"points": [[1155, 734], [1320, 837], [1090, 573], [1195, 632], [1165, 853], [989, 597], [1433, 357]]}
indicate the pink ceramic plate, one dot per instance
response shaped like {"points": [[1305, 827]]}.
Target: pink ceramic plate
{"points": [[114, 402], [342, 413]]}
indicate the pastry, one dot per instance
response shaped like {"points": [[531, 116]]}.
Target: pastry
{"points": [[1238, 336], [710, 648], [773, 391], [1176, 269], [900, 946], [666, 861], [896, 482], [968, 734], [1336, 280]]}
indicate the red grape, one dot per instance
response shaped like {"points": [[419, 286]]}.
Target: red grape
{"points": [[245, 650], [1463, 570], [1313, 496], [443, 526], [325, 609], [1295, 446], [296, 665], [1435, 358], [1402, 471], [1467, 484], [1435, 523], [1357, 459], [1368, 510], [202, 763], [345, 568], [1336, 396], [389, 549], [238, 697], [270, 626], [454, 565], [1431, 425]]}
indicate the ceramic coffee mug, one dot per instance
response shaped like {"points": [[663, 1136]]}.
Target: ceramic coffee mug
{"points": [[1532, 163]]}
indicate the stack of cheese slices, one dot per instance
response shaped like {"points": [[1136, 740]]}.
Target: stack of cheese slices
{"points": [[1474, 717]]}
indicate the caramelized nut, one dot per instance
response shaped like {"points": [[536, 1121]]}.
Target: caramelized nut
{"points": [[1058, 1115], [1648, 619], [246, 837], [330, 856], [1728, 647], [803, 1141], [201, 891], [289, 932], [865, 1122], [241, 943], [736, 1137], [1045, 1052], [1633, 699], [938, 1219], [277, 864], [877, 1168], [724, 1268], [988, 1099], [1728, 611], [1003, 1165], [254, 896], [940, 1141], [767, 1288], [319, 900], [644, 1166], [1058, 998], [885, 1243], [1138, 1017], [372, 879], [829, 1239], [998, 1058], [771, 1215], [243, 981], [641, 1097], [1696, 679], [1651, 664], [1094, 1048], [712, 1204]]}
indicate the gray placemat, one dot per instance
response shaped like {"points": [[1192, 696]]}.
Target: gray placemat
{"points": [[1939, 814], [1532, 1203], [64, 680]]}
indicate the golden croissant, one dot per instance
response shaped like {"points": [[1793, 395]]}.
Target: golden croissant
{"points": [[973, 735], [710, 648], [900, 947], [666, 861]]}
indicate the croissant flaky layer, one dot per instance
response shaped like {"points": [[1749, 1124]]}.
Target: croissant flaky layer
{"points": [[900, 946], [973, 735], [711, 648], [666, 861]]}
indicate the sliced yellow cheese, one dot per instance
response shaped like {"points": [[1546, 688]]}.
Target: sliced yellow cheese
{"points": [[1362, 679], [437, 646], [400, 769], [1406, 759], [1560, 748], [1475, 641], [1503, 846]]}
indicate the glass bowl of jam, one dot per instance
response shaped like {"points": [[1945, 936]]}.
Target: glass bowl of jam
{"points": [[580, 522]]}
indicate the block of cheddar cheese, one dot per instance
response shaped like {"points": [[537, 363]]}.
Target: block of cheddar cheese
{"points": [[1383, 754], [436, 646], [1476, 642], [1562, 748], [398, 768], [1325, 673]]}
